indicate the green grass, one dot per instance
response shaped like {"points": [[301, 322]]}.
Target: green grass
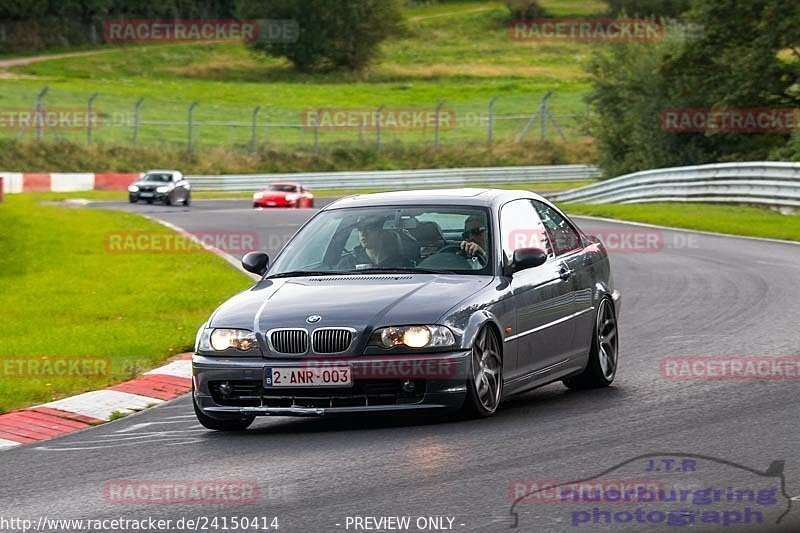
{"points": [[456, 52], [65, 295], [751, 221]]}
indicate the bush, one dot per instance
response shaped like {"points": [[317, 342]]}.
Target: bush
{"points": [[342, 34], [524, 9], [649, 8]]}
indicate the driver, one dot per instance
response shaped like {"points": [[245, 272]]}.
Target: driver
{"points": [[474, 243], [377, 248]]}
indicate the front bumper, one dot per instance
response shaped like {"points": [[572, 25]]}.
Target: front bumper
{"points": [[439, 380], [147, 195]]}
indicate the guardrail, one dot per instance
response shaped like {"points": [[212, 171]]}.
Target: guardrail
{"points": [[755, 182], [401, 179]]}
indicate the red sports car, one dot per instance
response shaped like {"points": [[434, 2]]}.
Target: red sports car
{"points": [[283, 195]]}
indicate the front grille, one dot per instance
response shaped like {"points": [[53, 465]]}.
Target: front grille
{"points": [[363, 393], [289, 341], [334, 340]]}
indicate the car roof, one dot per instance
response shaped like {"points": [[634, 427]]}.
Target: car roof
{"points": [[467, 196], [157, 171]]}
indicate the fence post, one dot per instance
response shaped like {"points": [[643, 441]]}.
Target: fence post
{"points": [[436, 131], [136, 107], [316, 132], [378, 128], [586, 119], [39, 114], [543, 117], [89, 119], [189, 124], [253, 130], [490, 120]]}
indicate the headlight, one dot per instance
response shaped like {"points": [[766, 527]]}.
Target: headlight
{"points": [[432, 336], [162, 189], [133, 188], [258, 195], [240, 339]]}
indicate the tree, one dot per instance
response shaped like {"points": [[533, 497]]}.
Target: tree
{"points": [[333, 34], [746, 57]]}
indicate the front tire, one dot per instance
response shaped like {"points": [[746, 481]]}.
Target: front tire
{"points": [[603, 354], [233, 424], [187, 200], [485, 379]]}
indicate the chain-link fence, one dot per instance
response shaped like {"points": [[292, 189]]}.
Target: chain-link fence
{"points": [[97, 118]]}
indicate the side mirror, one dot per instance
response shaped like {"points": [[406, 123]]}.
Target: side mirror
{"points": [[525, 258], [256, 262]]}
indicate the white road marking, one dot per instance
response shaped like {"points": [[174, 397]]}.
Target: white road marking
{"points": [[8, 443], [102, 403], [145, 424], [180, 369]]}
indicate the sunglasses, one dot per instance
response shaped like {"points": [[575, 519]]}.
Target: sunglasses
{"points": [[473, 232]]}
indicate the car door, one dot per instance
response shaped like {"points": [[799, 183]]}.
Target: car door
{"points": [[569, 246], [541, 295]]}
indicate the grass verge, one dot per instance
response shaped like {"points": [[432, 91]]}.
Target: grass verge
{"points": [[65, 296], [750, 221]]}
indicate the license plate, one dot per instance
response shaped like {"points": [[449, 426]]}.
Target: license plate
{"points": [[322, 376], [271, 204], [146, 194]]}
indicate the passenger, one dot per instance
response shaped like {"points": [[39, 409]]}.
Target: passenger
{"points": [[378, 247]]}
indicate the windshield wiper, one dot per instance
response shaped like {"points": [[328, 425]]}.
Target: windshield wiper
{"points": [[300, 273], [394, 270]]}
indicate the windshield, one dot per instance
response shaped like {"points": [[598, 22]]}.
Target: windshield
{"points": [[158, 177], [282, 188], [424, 238]]}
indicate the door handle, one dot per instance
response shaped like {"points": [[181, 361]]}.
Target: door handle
{"points": [[564, 272]]}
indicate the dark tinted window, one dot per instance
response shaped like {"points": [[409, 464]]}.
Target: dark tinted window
{"points": [[564, 237]]}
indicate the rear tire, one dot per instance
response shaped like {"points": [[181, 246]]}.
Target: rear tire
{"points": [[485, 378], [603, 354], [233, 424], [187, 200]]}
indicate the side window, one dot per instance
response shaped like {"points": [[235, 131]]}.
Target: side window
{"points": [[564, 237], [521, 227]]}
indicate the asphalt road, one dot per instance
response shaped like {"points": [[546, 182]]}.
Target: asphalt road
{"points": [[699, 295]]}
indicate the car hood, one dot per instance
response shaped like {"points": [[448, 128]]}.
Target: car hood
{"points": [[357, 301], [274, 195], [140, 183]]}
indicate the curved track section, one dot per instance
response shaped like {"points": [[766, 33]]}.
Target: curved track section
{"points": [[698, 295]]}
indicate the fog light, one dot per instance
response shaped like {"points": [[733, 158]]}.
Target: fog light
{"points": [[407, 385], [225, 388]]}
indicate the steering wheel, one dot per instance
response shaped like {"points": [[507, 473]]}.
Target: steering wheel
{"points": [[456, 249]]}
